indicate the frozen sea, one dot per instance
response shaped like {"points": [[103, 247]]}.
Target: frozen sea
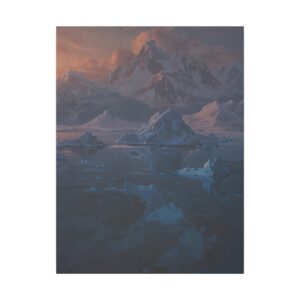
{"points": [[125, 209]]}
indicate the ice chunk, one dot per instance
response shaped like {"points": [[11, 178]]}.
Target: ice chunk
{"points": [[92, 189], [86, 140], [168, 214], [204, 174]]}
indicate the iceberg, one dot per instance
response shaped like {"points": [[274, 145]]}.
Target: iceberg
{"points": [[87, 140], [204, 174], [165, 128], [168, 214], [92, 189]]}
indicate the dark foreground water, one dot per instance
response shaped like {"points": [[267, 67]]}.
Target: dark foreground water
{"points": [[124, 210]]}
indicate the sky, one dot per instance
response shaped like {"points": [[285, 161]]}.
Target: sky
{"points": [[97, 50]]}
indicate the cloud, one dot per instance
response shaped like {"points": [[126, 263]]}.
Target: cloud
{"points": [[120, 56], [91, 49], [165, 37], [93, 69], [214, 56], [175, 40], [98, 69]]}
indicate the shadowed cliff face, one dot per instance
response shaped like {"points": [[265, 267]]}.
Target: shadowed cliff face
{"points": [[80, 100]]}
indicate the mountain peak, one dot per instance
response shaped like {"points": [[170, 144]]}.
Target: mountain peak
{"points": [[151, 50], [151, 43]]}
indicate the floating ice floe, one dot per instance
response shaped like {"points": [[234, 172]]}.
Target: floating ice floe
{"points": [[92, 189], [168, 214], [146, 192], [112, 188], [91, 164], [204, 174]]}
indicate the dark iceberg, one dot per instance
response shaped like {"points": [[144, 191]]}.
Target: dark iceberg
{"points": [[87, 140]]}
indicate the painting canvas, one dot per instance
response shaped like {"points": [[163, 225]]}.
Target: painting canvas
{"points": [[150, 150]]}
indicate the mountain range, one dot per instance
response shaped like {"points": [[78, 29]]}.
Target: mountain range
{"points": [[108, 121], [161, 79], [218, 115], [80, 100], [153, 80]]}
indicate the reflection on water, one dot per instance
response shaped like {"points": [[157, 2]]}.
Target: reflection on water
{"points": [[123, 209], [163, 158]]}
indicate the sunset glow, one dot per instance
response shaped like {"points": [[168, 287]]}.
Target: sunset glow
{"points": [[97, 50], [150, 149]]}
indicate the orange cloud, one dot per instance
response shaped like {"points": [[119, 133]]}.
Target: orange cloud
{"points": [[93, 69], [120, 56], [90, 50], [165, 37], [98, 69]]}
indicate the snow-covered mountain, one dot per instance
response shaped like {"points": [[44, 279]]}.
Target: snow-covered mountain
{"points": [[152, 78], [162, 128], [160, 79], [232, 78], [227, 116], [107, 121], [80, 100]]}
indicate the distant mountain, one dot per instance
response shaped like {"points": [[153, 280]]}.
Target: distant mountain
{"points": [[232, 78], [80, 100], [107, 121], [160, 79], [151, 80], [162, 128], [225, 115]]}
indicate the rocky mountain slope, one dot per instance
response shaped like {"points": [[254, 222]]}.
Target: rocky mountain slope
{"points": [[227, 116], [108, 121], [80, 100], [159, 78]]}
